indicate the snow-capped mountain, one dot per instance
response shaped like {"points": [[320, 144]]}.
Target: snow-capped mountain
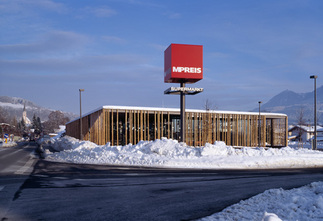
{"points": [[14, 106], [291, 103]]}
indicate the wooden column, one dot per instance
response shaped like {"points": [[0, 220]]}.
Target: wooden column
{"points": [[141, 126], [148, 127], [117, 126], [134, 127], [155, 125], [112, 129], [168, 125]]}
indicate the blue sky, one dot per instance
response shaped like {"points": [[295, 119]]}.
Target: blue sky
{"points": [[114, 49]]}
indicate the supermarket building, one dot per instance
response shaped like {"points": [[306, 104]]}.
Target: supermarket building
{"points": [[121, 125]]}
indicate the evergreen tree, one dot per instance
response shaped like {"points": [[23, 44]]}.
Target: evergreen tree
{"points": [[39, 125], [22, 126], [34, 122], [36, 125]]}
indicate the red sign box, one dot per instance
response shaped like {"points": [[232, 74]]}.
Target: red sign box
{"points": [[183, 63]]}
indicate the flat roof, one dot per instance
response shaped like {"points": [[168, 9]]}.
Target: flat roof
{"points": [[178, 110]]}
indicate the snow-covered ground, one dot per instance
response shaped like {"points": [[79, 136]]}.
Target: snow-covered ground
{"points": [[172, 154], [9, 144], [305, 203]]}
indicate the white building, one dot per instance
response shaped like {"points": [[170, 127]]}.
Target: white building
{"points": [[24, 117], [305, 133]]}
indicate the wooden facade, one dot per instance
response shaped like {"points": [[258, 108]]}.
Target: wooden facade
{"points": [[124, 125]]}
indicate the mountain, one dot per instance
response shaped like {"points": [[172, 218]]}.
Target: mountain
{"points": [[14, 107], [292, 103]]}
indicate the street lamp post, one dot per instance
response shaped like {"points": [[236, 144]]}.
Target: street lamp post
{"points": [[315, 123], [259, 125], [81, 136]]}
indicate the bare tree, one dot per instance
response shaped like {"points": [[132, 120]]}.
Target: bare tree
{"points": [[300, 122], [208, 105], [55, 119]]}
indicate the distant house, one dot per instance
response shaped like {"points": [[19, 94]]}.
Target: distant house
{"points": [[304, 133]]}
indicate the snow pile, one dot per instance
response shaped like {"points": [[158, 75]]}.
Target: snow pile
{"points": [[69, 143], [305, 203], [9, 144], [170, 153]]}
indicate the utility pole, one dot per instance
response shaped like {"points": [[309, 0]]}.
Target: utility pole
{"points": [[315, 120]]}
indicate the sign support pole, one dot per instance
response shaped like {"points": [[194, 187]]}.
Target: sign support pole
{"points": [[182, 101], [183, 64]]}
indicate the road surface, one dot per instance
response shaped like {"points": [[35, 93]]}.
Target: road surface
{"points": [[16, 163], [60, 191]]}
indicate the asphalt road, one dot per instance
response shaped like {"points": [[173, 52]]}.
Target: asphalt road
{"points": [[58, 191], [16, 163]]}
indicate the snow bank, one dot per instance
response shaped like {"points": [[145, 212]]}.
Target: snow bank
{"points": [[9, 144], [305, 203], [170, 153]]}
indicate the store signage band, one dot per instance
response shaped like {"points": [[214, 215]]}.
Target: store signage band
{"points": [[186, 90]]}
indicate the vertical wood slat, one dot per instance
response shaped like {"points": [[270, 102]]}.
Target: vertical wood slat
{"points": [[218, 127], [112, 127], [135, 127], [238, 130], [161, 124], [213, 128], [186, 127], [190, 129], [138, 126], [248, 131], [155, 125], [224, 127], [158, 124], [255, 129], [286, 131], [263, 131], [238, 126], [148, 130], [200, 129], [117, 126], [108, 125], [144, 129], [141, 126], [252, 132], [204, 128], [99, 128], [229, 130], [126, 126], [131, 127], [168, 125]]}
